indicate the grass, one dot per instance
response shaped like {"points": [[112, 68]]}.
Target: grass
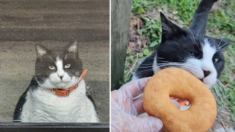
{"points": [[221, 24]]}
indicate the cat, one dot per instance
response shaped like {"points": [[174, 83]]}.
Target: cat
{"points": [[189, 49], [60, 70]]}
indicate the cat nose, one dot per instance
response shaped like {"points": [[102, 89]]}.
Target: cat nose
{"points": [[61, 77], [206, 73]]}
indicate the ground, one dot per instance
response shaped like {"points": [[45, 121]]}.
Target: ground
{"points": [[52, 23], [145, 35]]}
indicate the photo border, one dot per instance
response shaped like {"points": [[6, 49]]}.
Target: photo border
{"points": [[46, 127]]}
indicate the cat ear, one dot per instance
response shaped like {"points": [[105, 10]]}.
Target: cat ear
{"points": [[223, 42], [72, 48], [41, 50], [169, 29]]}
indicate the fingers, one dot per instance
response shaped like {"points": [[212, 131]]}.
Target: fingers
{"points": [[114, 94], [125, 95], [138, 103], [135, 87], [145, 124]]}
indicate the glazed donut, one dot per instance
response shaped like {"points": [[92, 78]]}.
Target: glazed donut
{"points": [[182, 84]]}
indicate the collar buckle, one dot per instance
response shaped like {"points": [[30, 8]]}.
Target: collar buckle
{"points": [[67, 92], [61, 92]]}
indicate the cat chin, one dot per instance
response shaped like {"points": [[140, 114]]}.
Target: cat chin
{"points": [[209, 81]]}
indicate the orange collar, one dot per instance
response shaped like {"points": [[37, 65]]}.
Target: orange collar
{"points": [[63, 92]]}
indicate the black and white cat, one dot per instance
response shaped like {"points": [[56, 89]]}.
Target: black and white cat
{"points": [[189, 49], [56, 70]]}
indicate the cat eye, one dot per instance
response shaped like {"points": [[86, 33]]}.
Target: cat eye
{"points": [[192, 53], [195, 54], [67, 66], [216, 60], [52, 67]]}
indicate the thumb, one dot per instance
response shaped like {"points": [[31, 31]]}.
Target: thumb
{"points": [[146, 124]]}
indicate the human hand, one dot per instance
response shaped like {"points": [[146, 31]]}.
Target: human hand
{"points": [[125, 108]]}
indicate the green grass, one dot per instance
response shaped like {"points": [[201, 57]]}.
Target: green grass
{"points": [[221, 24]]}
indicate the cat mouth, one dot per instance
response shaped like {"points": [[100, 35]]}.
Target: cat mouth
{"points": [[65, 82], [201, 79]]}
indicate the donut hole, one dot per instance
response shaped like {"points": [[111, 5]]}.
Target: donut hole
{"points": [[183, 103]]}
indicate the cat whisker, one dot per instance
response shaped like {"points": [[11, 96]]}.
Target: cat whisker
{"points": [[190, 67], [160, 57], [186, 67], [170, 63], [163, 61], [220, 91], [218, 94], [219, 82], [145, 66], [220, 47], [147, 73], [163, 64], [178, 64], [142, 71]]}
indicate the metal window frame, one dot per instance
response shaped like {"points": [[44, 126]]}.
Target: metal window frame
{"points": [[54, 127]]}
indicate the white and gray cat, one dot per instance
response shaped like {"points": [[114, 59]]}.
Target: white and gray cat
{"points": [[189, 49], [60, 70]]}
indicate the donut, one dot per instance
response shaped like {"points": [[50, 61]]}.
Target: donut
{"points": [[176, 82]]}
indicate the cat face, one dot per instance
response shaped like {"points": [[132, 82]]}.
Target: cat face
{"points": [[58, 69], [196, 53]]}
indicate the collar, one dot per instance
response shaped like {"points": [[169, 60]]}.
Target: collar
{"points": [[63, 92]]}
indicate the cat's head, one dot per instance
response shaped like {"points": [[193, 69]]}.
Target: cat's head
{"points": [[58, 69], [196, 53]]}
